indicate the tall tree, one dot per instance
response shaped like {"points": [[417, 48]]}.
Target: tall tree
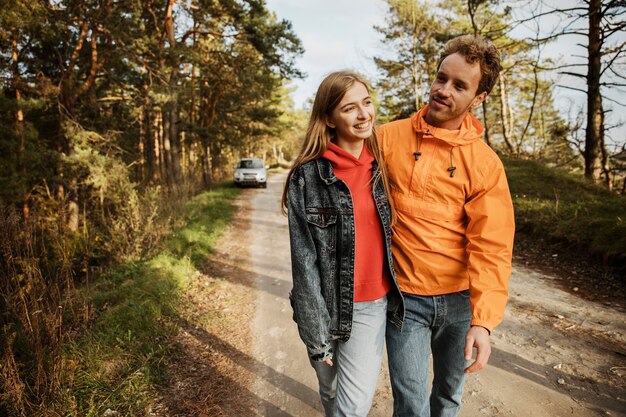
{"points": [[601, 23], [510, 115], [17, 20], [412, 32], [482, 26], [91, 94]]}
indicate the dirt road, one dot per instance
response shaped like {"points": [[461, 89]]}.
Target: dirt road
{"points": [[554, 355]]}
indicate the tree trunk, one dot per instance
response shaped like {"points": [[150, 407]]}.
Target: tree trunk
{"points": [[191, 137], [504, 113], [70, 92], [606, 168], [171, 137], [174, 139], [594, 132], [472, 7], [531, 112], [169, 22], [73, 210], [157, 134], [19, 125], [167, 147], [141, 147], [150, 149], [416, 66], [486, 123], [207, 177], [214, 160]]}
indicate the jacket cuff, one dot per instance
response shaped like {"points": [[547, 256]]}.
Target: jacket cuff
{"points": [[321, 356], [482, 323]]}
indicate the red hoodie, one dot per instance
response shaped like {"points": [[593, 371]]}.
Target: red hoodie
{"points": [[370, 276]]}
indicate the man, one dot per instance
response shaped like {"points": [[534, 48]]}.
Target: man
{"points": [[453, 238]]}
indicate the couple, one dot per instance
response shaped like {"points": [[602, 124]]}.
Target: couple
{"points": [[425, 269]]}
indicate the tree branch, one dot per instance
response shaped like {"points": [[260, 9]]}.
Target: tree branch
{"points": [[84, 29], [559, 34], [573, 74], [552, 12], [573, 88], [614, 101], [208, 33], [532, 106], [558, 67], [95, 66], [612, 85], [607, 32], [617, 49], [609, 64], [616, 74], [612, 5]]}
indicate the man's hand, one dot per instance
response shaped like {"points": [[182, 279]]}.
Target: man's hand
{"points": [[477, 337]]}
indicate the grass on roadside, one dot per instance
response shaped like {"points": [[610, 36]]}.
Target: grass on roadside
{"points": [[117, 362], [566, 208]]}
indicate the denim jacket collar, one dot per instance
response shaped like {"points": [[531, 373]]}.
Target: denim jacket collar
{"points": [[325, 170]]}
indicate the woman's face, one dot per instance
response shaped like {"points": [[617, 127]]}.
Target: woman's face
{"points": [[353, 118]]}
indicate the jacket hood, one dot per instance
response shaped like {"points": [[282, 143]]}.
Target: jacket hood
{"points": [[470, 131], [340, 159]]}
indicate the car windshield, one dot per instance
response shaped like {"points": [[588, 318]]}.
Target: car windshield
{"points": [[250, 163]]}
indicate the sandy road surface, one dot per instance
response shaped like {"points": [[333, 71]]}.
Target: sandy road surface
{"points": [[554, 355]]}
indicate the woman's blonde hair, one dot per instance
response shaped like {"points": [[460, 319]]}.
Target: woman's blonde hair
{"points": [[319, 134]]}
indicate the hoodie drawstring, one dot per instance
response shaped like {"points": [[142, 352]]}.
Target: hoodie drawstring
{"points": [[451, 168], [417, 153]]}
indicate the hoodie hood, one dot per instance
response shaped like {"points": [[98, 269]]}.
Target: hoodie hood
{"points": [[342, 160], [470, 131]]}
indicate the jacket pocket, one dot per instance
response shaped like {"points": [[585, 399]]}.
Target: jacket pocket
{"points": [[321, 217], [429, 210]]}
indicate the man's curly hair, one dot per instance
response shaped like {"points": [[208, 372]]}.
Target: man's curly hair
{"points": [[476, 49]]}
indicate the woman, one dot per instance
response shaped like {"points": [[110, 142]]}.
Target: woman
{"points": [[340, 220]]}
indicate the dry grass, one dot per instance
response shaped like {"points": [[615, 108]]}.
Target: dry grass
{"points": [[78, 345]]}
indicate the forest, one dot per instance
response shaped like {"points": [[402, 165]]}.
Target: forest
{"points": [[115, 113]]}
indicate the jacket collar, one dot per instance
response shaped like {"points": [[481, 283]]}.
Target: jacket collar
{"points": [[470, 130], [325, 171]]}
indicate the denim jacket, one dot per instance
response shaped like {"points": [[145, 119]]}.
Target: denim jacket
{"points": [[321, 231]]}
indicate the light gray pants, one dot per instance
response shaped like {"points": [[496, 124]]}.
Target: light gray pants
{"points": [[347, 388]]}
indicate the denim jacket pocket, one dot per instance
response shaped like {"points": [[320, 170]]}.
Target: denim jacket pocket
{"points": [[321, 217]]}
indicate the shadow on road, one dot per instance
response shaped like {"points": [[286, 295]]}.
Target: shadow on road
{"points": [[599, 397], [277, 290], [259, 370]]}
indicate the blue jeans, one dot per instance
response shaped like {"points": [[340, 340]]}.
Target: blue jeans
{"points": [[347, 388], [438, 323]]}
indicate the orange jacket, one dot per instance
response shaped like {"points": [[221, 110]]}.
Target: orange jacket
{"points": [[455, 227]]}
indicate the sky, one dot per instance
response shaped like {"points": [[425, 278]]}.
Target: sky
{"points": [[335, 34], [339, 34]]}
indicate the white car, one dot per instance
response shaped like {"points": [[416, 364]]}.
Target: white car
{"points": [[250, 171]]}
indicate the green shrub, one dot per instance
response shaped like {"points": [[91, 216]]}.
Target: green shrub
{"points": [[566, 208]]}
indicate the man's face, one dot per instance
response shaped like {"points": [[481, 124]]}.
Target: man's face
{"points": [[453, 92]]}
